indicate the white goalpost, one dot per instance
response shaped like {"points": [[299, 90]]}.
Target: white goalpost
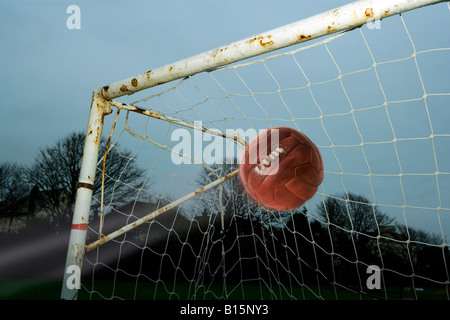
{"points": [[367, 82]]}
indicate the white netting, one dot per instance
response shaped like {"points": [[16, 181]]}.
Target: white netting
{"points": [[376, 103]]}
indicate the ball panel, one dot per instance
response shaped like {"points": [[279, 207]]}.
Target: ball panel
{"points": [[284, 195], [260, 185], [301, 188], [300, 153], [308, 174], [264, 144], [277, 206], [286, 199], [270, 183], [290, 149], [315, 158], [298, 175], [283, 132], [254, 180]]}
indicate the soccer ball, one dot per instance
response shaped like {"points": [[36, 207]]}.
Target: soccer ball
{"points": [[281, 168]]}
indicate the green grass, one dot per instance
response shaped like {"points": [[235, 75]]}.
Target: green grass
{"points": [[50, 290], [29, 290]]}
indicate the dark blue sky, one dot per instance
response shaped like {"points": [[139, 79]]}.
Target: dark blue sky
{"points": [[49, 71]]}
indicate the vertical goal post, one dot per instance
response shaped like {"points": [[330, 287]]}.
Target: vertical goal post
{"points": [[85, 188], [341, 19]]}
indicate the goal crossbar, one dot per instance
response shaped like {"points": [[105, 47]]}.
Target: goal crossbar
{"points": [[350, 16]]}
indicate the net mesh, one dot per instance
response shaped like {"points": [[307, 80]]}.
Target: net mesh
{"points": [[375, 102]]}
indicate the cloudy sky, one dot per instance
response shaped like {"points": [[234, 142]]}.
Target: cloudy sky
{"points": [[49, 72]]}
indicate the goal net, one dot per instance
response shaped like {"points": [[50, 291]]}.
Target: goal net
{"points": [[173, 221]]}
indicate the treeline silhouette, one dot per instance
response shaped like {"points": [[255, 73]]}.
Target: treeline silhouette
{"points": [[222, 238], [48, 186], [232, 241]]}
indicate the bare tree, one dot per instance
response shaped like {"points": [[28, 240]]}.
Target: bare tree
{"points": [[351, 222], [229, 192], [415, 242], [352, 212], [419, 236], [13, 190], [57, 167], [349, 217], [232, 198]]}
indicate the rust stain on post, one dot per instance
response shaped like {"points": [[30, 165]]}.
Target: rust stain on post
{"points": [[134, 82], [302, 37], [270, 42], [148, 113], [123, 88], [369, 13], [97, 136], [261, 40], [198, 191], [97, 243]]}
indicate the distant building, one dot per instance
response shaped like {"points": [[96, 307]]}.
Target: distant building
{"points": [[35, 205]]}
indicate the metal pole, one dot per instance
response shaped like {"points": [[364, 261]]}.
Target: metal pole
{"points": [[346, 17], [85, 188]]}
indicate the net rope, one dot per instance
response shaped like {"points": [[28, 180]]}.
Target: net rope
{"points": [[377, 109]]}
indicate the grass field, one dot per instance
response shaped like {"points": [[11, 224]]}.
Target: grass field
{"points": [[50, 290]]}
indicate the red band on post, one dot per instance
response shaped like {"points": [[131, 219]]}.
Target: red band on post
{"points": [[80, 226]]}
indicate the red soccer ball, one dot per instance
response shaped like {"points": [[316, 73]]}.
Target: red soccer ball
{"points": [[281, 168]]}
